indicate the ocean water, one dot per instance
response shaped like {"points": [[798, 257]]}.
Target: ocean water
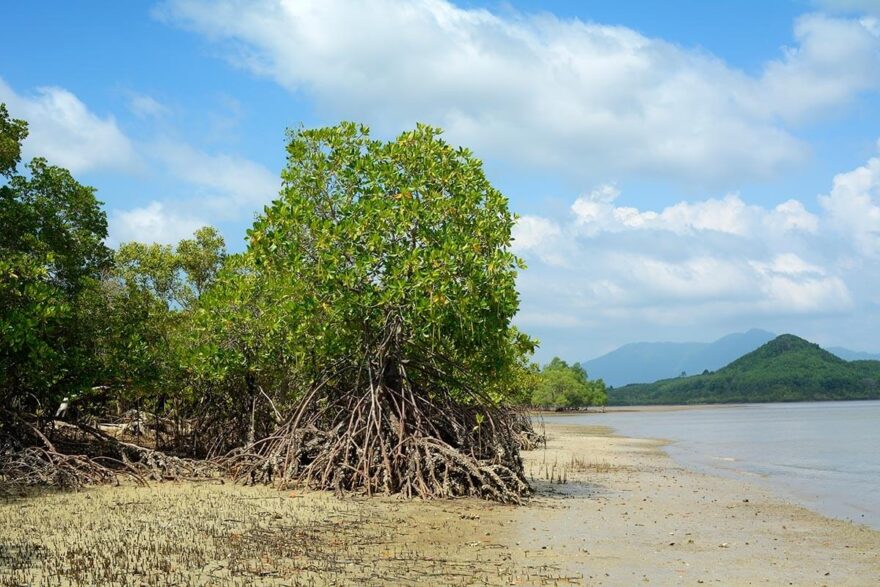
{"points": [[823, 455]]}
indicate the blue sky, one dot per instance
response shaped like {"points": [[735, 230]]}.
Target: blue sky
{"points": [[683, 169]]}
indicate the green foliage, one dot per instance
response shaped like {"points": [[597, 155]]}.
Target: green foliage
{"points": [[150, 300], [238, 346], [152, 268], [517, 384], [12, 134], [390, 259], [407, 234], [201, 258], [787, 368], [564, 386], [52, 258], [176, 276]]}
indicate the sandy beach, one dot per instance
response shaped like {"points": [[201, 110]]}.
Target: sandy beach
{"points": [[643, 518], [625, 514]]}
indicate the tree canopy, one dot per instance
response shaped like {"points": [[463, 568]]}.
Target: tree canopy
{"points": [[393, 265], [52, 258], [363, 341], [563, 386], [407, 234]]}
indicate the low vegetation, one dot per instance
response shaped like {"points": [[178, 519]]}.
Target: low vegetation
{"points": [[210, 534]]}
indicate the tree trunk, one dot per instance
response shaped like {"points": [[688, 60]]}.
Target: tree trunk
{"points": [[252, 391]]}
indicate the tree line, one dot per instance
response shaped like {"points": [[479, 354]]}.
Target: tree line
{"points": [[561, 386], [363, 340]]}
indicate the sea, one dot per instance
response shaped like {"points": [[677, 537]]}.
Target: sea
{"points": [[823, 455]]}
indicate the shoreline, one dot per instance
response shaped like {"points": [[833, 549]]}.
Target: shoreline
{"points": [[837, 497], [657, 513], [645, 408], [663, 522], [627, 514], [686, 407]]}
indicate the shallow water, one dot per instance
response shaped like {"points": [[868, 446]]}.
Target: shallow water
{"points": [[825, 455]]}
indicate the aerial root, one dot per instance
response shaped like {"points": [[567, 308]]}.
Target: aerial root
{"points": [[369, 428], [28, 458], [383, 436]]}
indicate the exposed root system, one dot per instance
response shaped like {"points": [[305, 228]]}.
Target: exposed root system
{"points": [[81, 455], [378, 425], [375, 428]]}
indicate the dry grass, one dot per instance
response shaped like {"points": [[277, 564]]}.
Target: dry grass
{"points": [[583, 465], [559, 472], [200, 534]]}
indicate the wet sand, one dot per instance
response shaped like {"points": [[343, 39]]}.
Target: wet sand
{"points": [[638, 517], [626, 514]]}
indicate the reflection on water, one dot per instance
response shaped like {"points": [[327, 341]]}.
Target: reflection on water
{"points": [[825, 455]]}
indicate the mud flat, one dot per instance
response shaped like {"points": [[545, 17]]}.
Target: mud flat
{"points": [[625, 514], [632, 515]]}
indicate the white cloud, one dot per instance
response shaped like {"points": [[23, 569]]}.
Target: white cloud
{"points": [[144, 106], [227, 184], [531, 232], [64, 131], [596, 212], [791, 281], [214, 188], [788, 264], [833, 61], [792, 215], [151, 223], [853, 207], [701, 264], [588, 100]]}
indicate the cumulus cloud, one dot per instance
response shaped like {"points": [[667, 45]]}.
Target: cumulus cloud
{"points": [[597, 213], [225, 184], [531, 232], [586, 99], [214, 188], [65, 132], [151, 223], [853, 207], [704, 263], [832, 61]]}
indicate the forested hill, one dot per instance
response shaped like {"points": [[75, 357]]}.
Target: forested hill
{"points": [[644, 362], [788, 368]]}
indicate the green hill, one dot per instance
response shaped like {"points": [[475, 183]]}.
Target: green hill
{"points": [[644, 362], [787, 368]]}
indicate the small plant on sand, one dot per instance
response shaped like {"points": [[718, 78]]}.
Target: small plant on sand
{"points": [[583, 465]]}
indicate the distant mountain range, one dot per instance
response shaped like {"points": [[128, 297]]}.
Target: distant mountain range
{"points": [[788, 368], [646, 362], [849, 355]]}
